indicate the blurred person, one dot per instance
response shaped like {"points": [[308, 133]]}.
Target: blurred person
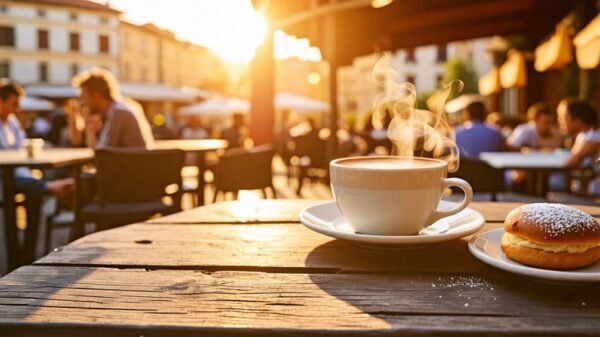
{"points": [[193, 129], [473, 136], [109, 122], [40, 127], [12, 137], [539, 133], [581, 121], [236, 134], [561, 111]]}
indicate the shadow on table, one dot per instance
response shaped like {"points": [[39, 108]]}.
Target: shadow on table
{"points": [[416, 294], [27, 290]]}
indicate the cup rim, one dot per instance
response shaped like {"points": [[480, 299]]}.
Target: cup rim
{"points": [[337, 163]]}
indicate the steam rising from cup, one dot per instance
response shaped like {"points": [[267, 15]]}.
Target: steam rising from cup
{"points": [[413, 131]]}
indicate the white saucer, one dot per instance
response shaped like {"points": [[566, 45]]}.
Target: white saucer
{"points": [[327, 219], [486, 247]]}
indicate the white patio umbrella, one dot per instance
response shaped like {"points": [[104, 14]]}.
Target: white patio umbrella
{"points": [[30, 103], [298, 103], [462, 101], [222, 106]]}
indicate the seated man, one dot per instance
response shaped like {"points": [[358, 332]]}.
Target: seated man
{"points": [[538, 133], [580, 121], [473, 136], [108, 121], [11, 137], [236, 134]]}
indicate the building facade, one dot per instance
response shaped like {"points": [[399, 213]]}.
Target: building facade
{"points": [[49, 41], [422, 66]]}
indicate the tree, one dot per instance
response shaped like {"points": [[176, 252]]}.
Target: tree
{"points": [[457, 69]]}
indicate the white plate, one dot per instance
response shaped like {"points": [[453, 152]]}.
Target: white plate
{"points": [[486, 247], [327, 219]]}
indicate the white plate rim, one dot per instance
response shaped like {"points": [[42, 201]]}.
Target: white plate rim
{"points": [[477, 223], [517, 268]]}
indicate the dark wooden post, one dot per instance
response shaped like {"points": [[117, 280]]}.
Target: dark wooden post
{"points": [[262, 112]]}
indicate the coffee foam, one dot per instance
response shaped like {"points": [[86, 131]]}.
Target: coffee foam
{"points": [[389, 163]]}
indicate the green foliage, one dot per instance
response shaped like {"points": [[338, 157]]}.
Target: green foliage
{"points": [[457, 69]]}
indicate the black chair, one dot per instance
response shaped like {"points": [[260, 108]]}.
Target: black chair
{"points": [[132, 185], [310, 159], [481, 176], [242, 169]]}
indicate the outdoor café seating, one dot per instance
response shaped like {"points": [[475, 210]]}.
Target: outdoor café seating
{"points": [[127, 191], [245, 169]]}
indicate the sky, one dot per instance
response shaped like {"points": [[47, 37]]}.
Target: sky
{"points": [[231, 28]]}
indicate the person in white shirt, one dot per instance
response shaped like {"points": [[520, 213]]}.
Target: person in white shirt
{"points": [[539, 133], [12, 137]]}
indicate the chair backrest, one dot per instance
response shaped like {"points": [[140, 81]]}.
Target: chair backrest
{"points": [[313, 148], [480, 175], [242, 169], [137, 175]]}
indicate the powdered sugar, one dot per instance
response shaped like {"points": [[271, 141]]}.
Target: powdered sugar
{"points": [[556, 219]]}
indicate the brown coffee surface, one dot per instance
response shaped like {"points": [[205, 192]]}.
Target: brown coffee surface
{"points": [[389, 163]]}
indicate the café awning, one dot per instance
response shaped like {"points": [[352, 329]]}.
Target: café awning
{"points": [[299, 103], [222, 106], [489, 83], [557, 51], [29, 103], [513, 73], [587, 44]]}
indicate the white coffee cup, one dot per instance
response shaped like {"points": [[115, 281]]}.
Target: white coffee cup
{"points": [[387, 195], [33, 146]]}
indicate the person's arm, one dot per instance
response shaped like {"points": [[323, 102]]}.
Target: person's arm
{"points": [[588, 148]]}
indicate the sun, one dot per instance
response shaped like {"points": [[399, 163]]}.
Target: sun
{"points": [[237, 40]]}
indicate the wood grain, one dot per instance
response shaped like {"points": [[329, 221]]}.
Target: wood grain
{"points": [[271, 247], [282, 211], [251, 211], [72, 300]]}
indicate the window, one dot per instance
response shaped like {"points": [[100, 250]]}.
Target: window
{"points": [[41, 13], [74, 69], [73, 16], [410, 55], [3, 9], [42, 39], [43, 72], [74, 41], [104, 20], [143, 74], [4, 69], [103, 44], [7, 36], [441, 53], [410, 78]]}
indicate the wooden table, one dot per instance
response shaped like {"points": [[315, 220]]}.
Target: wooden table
{"points": [[539, 164], [47, 158], [198, 147], [279, 279]]}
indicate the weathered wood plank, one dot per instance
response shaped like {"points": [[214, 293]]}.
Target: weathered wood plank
{"points": [[497, 211], [75, 300], [249, 211], [270, 247], [284, 211]]}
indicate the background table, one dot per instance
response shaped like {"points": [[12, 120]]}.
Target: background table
{"points": [[279, 279], [46, 159], [538, 164], [198, 147]]}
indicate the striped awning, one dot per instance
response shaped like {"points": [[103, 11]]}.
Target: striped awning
{"points": [[587, 45]]}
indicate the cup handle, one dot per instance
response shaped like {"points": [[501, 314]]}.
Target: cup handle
{"points": [[465, 187]]}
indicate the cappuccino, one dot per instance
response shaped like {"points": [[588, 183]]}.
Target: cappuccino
{"points": [[391, 163]]}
